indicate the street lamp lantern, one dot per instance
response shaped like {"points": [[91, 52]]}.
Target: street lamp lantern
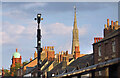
{"points": [[38, 18], [39, 49]]}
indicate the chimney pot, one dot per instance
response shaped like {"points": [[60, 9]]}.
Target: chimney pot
{"points": [[116, 22], [16, 49], [105, 26], [66, 52], [112, 24], [107, 22]]}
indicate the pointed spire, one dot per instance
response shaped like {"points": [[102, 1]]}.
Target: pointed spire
{"points": [[75, 39], [75, 20]]}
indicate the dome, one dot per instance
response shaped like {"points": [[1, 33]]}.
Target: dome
{"points": [[16, 54]]}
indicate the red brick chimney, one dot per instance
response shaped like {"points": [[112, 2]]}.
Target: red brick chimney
{"points": [[96, 39], [107, 22], [77, 52], [50, 55], [112, 24]]}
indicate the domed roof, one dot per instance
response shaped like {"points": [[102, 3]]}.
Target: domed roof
{"points": [[16, 54]]}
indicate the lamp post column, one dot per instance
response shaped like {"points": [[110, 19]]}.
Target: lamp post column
{"points": [[39, 49]]}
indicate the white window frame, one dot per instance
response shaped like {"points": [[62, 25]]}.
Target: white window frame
{"points": [[100, 73]]}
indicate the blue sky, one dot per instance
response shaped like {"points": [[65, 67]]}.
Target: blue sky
{"points": [[19, 27]]}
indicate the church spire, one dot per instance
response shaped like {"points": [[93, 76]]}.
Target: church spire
{"points": [[75, 20], [75, 38]]}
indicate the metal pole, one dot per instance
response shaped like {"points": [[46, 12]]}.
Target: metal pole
{"points": [[39, 49]]}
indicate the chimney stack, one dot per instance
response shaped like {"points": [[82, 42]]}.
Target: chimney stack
{"points": [[116, 22], [62, 52], [107, 22], [30, 58], [112, 24], [77, 48], [105, 26], [66, 53], [43, 49], [16, 50]]}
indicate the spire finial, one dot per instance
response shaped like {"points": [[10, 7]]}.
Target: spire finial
{"points": [[75, 20], [75, 8]]}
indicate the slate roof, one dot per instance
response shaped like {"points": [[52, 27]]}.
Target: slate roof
{"points": [[82, 61], [29, 69], [55, 69], [79, 63], [47, 65], [70, 59], [91, 68]]}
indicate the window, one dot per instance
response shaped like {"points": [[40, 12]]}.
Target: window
{"points": [[21, 71], [53, 74], [113, 46], [99, 50], [18, 72], [100, 73]]}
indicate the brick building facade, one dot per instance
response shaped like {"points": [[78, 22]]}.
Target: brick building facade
{"points": [[107, 49], [16, 59]]}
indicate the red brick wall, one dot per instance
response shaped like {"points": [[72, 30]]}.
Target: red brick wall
{"points": [[50, 55], [106, 50]]}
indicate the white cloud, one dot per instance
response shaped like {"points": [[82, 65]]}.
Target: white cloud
{"points": [[6, 38], [12, 32], [58, 29], [13, 29], [15, 14]]}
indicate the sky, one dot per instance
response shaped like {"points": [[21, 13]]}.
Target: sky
{"points": [[19, 26]]}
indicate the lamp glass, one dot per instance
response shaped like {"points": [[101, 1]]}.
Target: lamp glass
{"points": [[38, 15]]}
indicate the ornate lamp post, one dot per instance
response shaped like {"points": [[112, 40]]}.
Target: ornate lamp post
{"points": [[39, 49]]}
